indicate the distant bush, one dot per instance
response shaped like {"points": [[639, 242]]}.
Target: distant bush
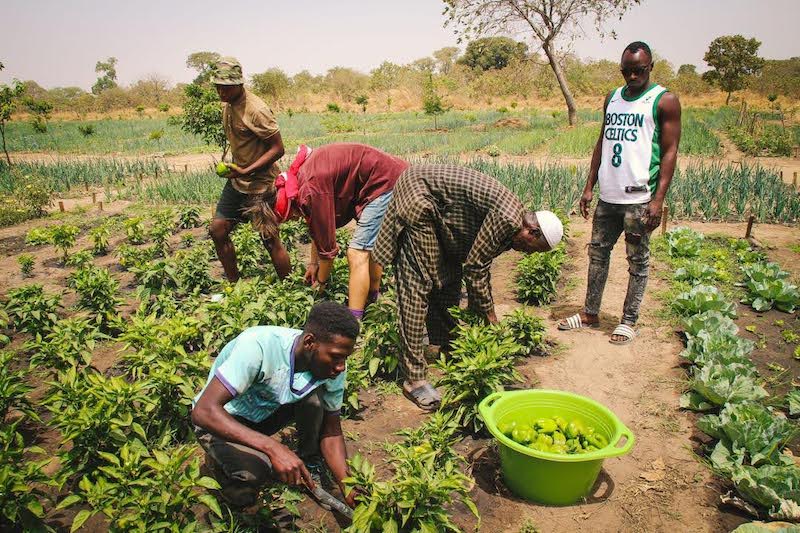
{"points": [[28, 197], [87, 130], [334, 108]]}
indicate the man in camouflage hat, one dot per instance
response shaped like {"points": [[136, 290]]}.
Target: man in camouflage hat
{"points": [[256, 146]]}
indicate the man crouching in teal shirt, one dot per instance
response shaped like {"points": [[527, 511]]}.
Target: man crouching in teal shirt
{"points": [[265, 379]]}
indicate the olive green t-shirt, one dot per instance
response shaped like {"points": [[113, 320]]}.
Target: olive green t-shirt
{"points": [[248, 124]]}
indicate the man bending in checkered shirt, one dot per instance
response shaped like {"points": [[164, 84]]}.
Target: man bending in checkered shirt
{"points": [[445, 223]]}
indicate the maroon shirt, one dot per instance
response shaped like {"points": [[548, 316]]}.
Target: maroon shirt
{"points": [[336, 183]]}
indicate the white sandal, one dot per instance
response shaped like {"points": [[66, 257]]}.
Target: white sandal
{"points": [[623, 330], [575, 322]]}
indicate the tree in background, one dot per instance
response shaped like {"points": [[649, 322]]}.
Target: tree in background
{"points": [[40, 112], [493, 53], [362, 100], [733, 58], [432, 102], [386, 76], [9, 94], [346, 81], [150, 91], [445, 59], [108, 78], [779, 76], [550, 22], [688, 81], [272, 84], [424, 64], [202, 115], [204, 63]]}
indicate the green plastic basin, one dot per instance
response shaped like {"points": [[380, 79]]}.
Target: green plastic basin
{"points": [[545, 477]]}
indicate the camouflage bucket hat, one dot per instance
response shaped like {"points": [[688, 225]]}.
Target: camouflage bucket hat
{"points": [[228, 71]]}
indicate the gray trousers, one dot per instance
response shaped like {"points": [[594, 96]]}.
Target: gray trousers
{"points": [[242, 471], [609, 221]]}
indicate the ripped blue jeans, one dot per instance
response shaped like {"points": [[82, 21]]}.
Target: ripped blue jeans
{"points": [[609, 222]]}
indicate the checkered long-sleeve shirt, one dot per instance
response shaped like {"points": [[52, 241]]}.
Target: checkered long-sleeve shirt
{"points": [[461, 217]]}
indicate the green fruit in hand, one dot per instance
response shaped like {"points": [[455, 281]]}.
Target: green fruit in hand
{"points": [[222, 169]]}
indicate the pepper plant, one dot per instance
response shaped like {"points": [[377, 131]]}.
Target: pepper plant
{"points": [[13, 389], [96, 414], [26, 262], [380, 338], [63, 238], [140, 490], [538, 274], [134, 230], [189, 217], [69, 343], [99, 236], [98, 292], [31, 309], [479, 363], [21, 482], [416, 498]]}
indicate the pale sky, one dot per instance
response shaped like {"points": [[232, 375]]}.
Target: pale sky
{"points": [[58, 42]]}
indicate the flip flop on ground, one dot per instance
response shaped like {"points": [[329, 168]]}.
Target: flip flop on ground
{"points": [[425, 397], [575, 322], [625, 331]]}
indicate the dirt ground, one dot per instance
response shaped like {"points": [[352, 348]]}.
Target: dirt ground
{"points": [[660, 486]]}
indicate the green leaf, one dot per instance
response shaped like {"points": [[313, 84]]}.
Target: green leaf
{"points": [[68, 501], [208, 483], [109, 457], [80, 519], [374, 364], [36, 508], [209, 501], [390, 526]]}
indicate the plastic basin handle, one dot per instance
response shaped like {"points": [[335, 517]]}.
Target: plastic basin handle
{"points": [[486, 407], [612, 450]]}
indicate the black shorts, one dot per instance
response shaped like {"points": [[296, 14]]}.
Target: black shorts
{"points": [[232, 204]]}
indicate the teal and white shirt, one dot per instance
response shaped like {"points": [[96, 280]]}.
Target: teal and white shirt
{"points": [[257, 368], [631, 151]]}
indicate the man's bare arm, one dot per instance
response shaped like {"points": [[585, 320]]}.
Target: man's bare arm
{"points": [[275, 151], [209, 413], [669, 118], [594, 167], [334, 451]]}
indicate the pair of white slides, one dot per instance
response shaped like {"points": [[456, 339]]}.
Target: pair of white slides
{"points": [[623, 330]]}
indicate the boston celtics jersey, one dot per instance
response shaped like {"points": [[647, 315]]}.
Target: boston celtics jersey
{"points": [[631, 153]]}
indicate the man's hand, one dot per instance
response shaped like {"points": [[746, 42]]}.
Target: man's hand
{"points": [[289, 467], [319, 285], [236, 172], [310, 276], [652, 215], [350, 498], [585, 203]]}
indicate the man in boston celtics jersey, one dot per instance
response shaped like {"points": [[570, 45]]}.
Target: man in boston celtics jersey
{"points": [[633, 161]]}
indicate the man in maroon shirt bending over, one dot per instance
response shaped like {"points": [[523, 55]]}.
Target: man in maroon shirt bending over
{"points": [[335, 184]]}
